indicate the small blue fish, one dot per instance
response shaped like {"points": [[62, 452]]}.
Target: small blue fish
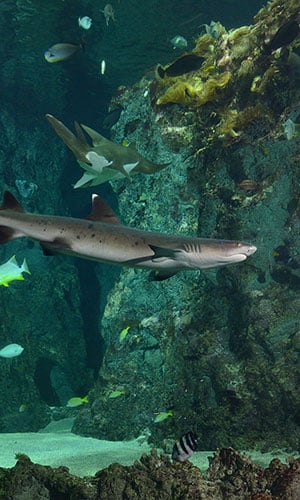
{"points": [[179, 42], [85, 22], [62, 51]]}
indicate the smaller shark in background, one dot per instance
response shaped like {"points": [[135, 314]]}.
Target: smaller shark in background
{"points": [[102, 237], [105, 160]]}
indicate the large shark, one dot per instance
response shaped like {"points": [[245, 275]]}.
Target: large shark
{"points": [[102, 237], [105, 160]]}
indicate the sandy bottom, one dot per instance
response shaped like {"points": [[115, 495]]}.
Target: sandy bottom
{"points": [[56, 445]]}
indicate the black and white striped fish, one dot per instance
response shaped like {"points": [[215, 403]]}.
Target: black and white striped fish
{"points": [[185, 447]]}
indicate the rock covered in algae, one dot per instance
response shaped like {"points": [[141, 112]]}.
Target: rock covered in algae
{"points": [[245, 76], [229, 476]]}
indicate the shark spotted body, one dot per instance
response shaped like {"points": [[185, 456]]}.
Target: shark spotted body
{"points": [[102, 237], [105, 160]]}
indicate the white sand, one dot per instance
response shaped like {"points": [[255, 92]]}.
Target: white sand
{"points": [[56, 445]]}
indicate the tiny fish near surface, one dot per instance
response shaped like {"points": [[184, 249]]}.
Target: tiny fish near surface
{"points": [[103, 238]]}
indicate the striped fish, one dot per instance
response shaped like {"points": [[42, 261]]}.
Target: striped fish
{"points": [[185, 447]]}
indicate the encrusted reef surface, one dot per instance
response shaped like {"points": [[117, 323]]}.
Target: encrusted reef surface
{"points": [[217, 352], [229, 476], [37, 312]]}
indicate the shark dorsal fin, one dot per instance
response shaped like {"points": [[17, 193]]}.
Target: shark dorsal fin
{"points": [[11, 203], [102, 212]]}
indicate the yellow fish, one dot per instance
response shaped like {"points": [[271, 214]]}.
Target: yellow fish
{"points": [[77, 401], [163, 415], [10, 271], [116, 394], [123, 333]]}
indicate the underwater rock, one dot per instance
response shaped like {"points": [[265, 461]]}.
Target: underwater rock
{"points": [[239, 81], [26, 188], [225, 342], [243, 473], [230, 475]]}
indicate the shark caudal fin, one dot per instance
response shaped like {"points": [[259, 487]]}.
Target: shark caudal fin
{"points": [[76, 143], [9, 202]]}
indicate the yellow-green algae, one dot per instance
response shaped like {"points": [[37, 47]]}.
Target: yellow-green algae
{"points": [[239, 80]]}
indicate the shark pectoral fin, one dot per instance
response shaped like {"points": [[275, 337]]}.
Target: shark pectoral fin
{"points": [[128, 167], [161, 253], [57, 246], [118, 166], [123, 171], [97, 162], [160, 275], [85, 180], [47, 251]]}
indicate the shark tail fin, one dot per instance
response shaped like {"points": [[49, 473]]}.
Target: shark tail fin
{"points": [[160, 275], [77, 144], [9, 202], [6, 234]]}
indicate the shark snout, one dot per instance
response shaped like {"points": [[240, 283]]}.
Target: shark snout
{"points": [[250, 249], [240, 252]]}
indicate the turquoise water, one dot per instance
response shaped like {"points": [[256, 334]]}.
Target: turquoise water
{"points": [[213, 351]]}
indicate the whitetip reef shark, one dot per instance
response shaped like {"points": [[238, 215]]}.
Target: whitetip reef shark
{"points": [[105, 160], [103, 238]]}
